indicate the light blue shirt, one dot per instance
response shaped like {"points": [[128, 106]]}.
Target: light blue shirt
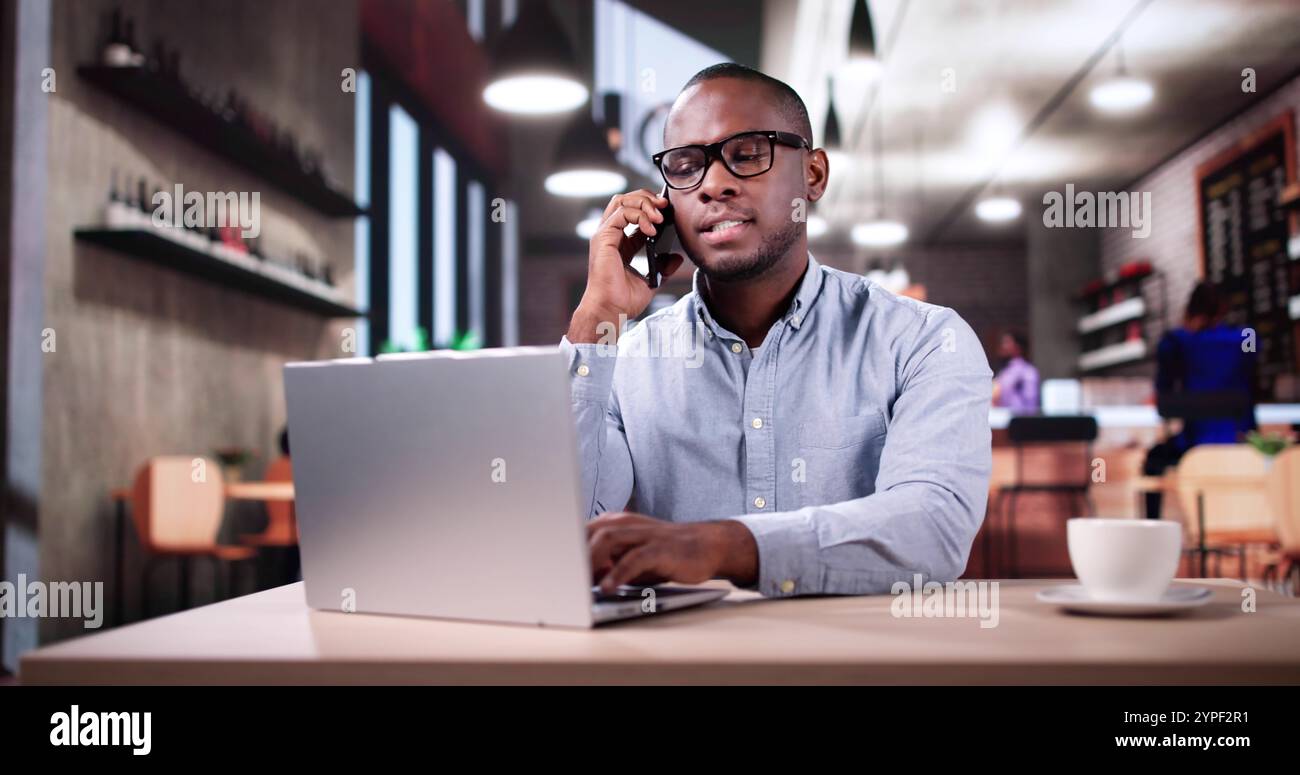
{"points": [[854, 443]]}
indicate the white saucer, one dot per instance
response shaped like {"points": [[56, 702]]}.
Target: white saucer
{"points": [[1178, 597]]}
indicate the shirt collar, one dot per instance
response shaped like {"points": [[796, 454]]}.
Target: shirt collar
{"points": [[809, 287]]}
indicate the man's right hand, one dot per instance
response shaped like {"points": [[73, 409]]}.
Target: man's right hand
{"points": [[613, 288]]}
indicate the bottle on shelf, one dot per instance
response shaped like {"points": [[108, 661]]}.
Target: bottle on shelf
{"points": [[136, 58], [157, 61], [116, 213], [145, 202], [116, 52]]}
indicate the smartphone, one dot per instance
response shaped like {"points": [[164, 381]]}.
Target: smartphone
{"points": [[658, 247]]}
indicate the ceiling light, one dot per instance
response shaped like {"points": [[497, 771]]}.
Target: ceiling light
{"points": [[585, 183], [1122, 94], [863, 63], [997, 209], [817, 226], [584, 164], [879, 234], [831, 134], [533, 67], [586, 228]]}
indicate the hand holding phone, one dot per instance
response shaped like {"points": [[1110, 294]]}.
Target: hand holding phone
{"points": [[656, 247], [620, 285]]}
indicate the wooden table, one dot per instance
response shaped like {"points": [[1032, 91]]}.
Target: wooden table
{"points": [[260, 491], [272, 637]]}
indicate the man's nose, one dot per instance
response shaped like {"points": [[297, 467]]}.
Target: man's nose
{"points": [[718, 183]]}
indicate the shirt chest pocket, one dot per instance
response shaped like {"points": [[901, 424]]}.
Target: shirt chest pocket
{"points": [[841, 432], [839, 458]]}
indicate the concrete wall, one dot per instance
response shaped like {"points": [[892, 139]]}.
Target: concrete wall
{"points": [[151, 361], [1060, 262]]}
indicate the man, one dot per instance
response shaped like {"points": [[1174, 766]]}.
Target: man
{"points": [[1016, 386], [785, 426]]}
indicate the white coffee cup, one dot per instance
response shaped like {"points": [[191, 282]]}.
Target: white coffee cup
{"points": [[1124, 560]]}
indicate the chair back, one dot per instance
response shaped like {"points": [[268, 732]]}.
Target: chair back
{"points": [[177, 503], [280, 514], [1230, 478], [1284, 495]]}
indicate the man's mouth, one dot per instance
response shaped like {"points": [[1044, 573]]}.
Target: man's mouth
{"points": [[724, 231]]}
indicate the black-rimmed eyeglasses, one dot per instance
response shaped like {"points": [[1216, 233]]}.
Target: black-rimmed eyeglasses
{"points": [[744, 155]]}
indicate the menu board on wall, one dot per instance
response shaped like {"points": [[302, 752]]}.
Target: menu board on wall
{"points": [[1244, 236]]}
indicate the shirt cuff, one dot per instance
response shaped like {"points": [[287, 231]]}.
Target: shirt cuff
{"points": [[788, 563], [591, 369]]}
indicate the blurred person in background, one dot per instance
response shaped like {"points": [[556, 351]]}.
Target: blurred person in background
{"points": [[1016, 385], [1205, 355]]}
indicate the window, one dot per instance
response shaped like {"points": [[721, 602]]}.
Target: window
{"points": [[361, 233], [444, 251], [647, 62], [403, 230], [435, 269]]}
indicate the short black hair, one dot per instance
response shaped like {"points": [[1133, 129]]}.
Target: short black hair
{"points": [[1204, 302], [1021, 339], [789, 103]]}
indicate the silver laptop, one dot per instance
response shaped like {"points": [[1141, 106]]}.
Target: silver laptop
{"points": [[446, 484]]}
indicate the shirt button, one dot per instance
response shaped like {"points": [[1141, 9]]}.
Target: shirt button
{"points": [[795, 320], [758, 422], [735, 347], [787, 586], [759, 502], [583, 370]]}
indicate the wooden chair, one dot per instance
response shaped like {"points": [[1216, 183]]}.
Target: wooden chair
{"points": [[1284, 494], [281, 525], [1221, 490], [177, 511]]}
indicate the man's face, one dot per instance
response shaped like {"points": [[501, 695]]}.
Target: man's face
{"points": [[1007, 347], [712, 111]]}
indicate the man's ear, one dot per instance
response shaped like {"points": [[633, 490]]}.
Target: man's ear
{"points": [[817, 174]]}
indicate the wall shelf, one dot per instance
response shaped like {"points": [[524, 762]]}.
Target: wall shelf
{"points": [[168, 103], [232, 269], [1113, 355], [1129, 309]]}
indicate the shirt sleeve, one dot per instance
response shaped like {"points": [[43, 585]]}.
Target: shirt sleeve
{"points": [[930, 492], [604, 459], [1030, 389]]}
